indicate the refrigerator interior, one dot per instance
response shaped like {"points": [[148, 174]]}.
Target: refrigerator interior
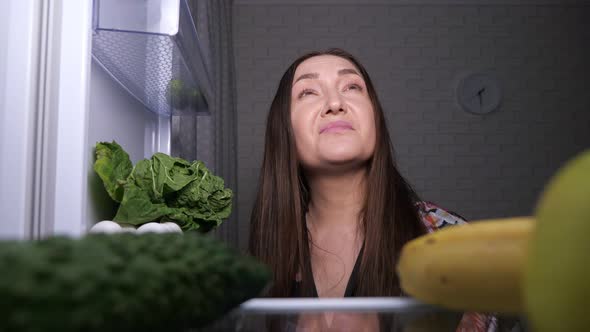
{"points": [[115, 115], [68, 80], [147, 66]]}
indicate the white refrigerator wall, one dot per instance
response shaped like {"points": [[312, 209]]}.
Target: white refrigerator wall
{"points": [[115, 115], [20, 46], [55, 104], [4, 32]]}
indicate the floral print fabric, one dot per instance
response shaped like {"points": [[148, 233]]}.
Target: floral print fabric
{"points": [[435, 218]]}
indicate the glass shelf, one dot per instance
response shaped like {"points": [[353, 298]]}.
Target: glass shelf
{"points": [[152, 50], [352, 314]]}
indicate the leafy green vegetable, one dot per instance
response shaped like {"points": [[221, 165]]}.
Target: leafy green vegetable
{"points": [[176, 94], [113, 166], [164, 188]]}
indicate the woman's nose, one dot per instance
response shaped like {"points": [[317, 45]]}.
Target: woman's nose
{"points": [[334, 104]]}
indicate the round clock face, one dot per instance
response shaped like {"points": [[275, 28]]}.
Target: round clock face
{"points": [[479, 93]]}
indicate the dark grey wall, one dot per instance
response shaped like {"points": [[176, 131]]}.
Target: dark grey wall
{"points": [[479, 166]]}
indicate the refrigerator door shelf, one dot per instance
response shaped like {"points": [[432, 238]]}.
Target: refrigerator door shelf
{"points": [[151, 48], [148, 16]]}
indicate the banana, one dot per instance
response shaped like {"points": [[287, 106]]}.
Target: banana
{"points": [[472, 267]]}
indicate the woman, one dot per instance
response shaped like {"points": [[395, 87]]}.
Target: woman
{"points": [[332, 211]]}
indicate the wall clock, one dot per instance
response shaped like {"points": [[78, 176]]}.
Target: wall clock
{"points": [[479, 93]]}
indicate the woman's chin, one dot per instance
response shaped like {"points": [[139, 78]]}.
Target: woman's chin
{"points": [[341, 160], [334, 157], [338, 154]]}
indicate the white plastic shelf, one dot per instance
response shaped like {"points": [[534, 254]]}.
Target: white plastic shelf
{"points": [[156, 59]]}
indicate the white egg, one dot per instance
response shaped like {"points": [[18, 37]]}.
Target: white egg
{"points": [[152, 227], [172, 227], [106, 227]]}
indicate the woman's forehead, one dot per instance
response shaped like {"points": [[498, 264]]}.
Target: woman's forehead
{"points": [[323, 64]]}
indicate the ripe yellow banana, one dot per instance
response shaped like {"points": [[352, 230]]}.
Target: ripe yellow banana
{"points": [[473, 267]]}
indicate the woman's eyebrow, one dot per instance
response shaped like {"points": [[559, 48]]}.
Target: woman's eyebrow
{"points": [[307, 76], [347, 71], [341, 72]]}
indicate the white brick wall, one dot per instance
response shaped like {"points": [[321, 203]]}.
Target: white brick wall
{"points": [[479, 166]]}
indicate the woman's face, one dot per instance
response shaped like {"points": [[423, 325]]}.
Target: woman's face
{"points": [[331, 114]]}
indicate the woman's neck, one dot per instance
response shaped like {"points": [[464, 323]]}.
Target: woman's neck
{"points": [[336, 199]]}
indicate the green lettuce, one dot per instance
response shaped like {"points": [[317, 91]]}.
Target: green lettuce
{"points": [[113, 166], [162, 188]]}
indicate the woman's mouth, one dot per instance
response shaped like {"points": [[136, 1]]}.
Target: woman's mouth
{"points": [[336, 126]]}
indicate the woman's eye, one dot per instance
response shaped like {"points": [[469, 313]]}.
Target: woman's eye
{"points": [[354, 86], [305, 93]]}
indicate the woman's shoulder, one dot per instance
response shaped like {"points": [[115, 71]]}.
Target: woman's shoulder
{"points": [[435, 217]]}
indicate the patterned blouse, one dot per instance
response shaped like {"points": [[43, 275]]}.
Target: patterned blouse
{"points": [[436, 218]]}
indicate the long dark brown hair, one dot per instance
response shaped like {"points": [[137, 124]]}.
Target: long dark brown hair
{"points": [[278, 233]]}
